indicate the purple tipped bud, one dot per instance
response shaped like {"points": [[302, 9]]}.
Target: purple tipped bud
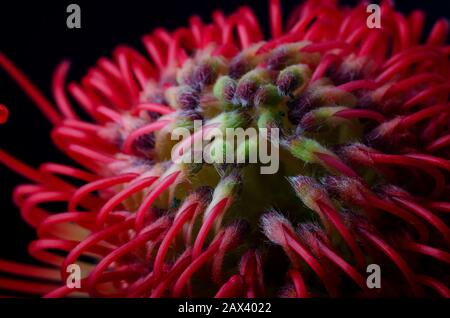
{"points": [[309, 191], [292, 78], [145, 145], [187, 98], [357, 153], [308, 121], [267, 95], [324, 94], [274, 226], [243, 63]]}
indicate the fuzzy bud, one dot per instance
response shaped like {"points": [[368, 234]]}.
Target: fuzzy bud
{"points": [[224, 89], [201, 73], [358, 153], [249, 84], [284, 56], [349, 190], [207, 71], [324, 94], [306, 149], [267, 96], [274, 226], [309, 191], [269, 119], [233, 119], [187, 98]]}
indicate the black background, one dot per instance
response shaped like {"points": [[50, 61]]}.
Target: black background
{"points": [[34, 35]]}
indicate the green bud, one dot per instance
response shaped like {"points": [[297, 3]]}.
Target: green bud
{"points": [[306, 149], [293, 78]]}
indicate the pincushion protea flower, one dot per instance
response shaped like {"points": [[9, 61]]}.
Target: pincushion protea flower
{"points": [[363, 179]]}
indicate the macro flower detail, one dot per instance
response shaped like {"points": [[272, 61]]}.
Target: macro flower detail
{"points": [[364, 169]]}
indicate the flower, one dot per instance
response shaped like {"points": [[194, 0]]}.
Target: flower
{"points": [[364, 162]]}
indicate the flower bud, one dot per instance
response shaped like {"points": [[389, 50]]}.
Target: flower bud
{"points": [[227, 188], [269, 118], [298, 107], [324, 94], [233, 119]]}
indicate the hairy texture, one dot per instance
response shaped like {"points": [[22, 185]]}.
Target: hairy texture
{"points": [[364, 162]]}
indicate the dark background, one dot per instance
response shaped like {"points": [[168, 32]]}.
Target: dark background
{"points": [[34, 35]]}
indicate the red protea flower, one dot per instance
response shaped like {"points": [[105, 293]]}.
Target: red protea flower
{"points": [[364, 162]]}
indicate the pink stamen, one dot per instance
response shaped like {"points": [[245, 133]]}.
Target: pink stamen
{"points": [[121, 196]]}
